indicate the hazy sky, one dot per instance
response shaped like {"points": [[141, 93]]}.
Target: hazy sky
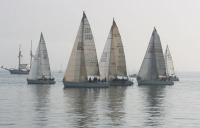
{"points": [[177, 22]]}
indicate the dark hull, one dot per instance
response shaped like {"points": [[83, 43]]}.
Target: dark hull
{"points": [[85, 84], [155, 82], [16, 71], [174, 78], [41, 81], [120, 83]]}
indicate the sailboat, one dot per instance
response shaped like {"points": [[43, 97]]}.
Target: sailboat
{"points": [[112, 62], [83, 69], [153, 70], [40, 72], [22, 69], [169, 65]]}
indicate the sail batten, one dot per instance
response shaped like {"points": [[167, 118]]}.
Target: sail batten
{"points": [[112, 62], [83, 60], [153, 64]]}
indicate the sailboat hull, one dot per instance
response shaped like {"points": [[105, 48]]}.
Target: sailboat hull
{"points": [[154, 82], [41, 81], [174, 78], [16, 71], [85, 84], [120, 83]]}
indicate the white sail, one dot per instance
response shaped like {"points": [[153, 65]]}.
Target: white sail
{"points": [[153, 64], [169, 63], [40, 66], [83, 60], [112, 62]]}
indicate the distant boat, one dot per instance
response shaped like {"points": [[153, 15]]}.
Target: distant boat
{"points": [[153, 70], [83, 69], [40, 72], [112, 62], [169, 65], [22, 69]]}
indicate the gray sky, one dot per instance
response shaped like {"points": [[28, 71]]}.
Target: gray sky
{"points": [[177, 22]]}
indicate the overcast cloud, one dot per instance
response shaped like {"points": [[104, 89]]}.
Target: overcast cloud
{"points": [[177, 22]]}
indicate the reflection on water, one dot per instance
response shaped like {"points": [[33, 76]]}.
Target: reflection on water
{"points": [[86, 105], [50, 106], [115, 106], [154, 109], [40, 104], [81, 104]]}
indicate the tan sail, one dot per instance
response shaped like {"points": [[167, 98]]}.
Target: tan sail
{"points": [[91, 60], [83, 60], [113, 63]]}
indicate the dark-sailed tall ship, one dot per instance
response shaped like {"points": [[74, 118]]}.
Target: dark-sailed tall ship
{"points": [[22, 68]]}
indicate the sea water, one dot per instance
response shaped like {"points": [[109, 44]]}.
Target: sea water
{"points": [[49, 106]]}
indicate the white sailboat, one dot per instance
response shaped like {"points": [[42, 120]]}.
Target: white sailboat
{"points": [[169, 65], [83, 69], [40, 72], [153, 70], [112, 62]]}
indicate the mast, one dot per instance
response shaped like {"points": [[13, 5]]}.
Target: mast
{"points": [[19, 57], [81, 48], [153, 68], [31, 54]]}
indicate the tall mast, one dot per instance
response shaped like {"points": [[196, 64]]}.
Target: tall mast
{"points": [[19, 56], [82, 45], [31, 54]]}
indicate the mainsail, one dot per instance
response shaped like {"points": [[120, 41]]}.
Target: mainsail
{"points": [[169, 62], [153, 64], [112, 62], [40, 66], [83, 60]]}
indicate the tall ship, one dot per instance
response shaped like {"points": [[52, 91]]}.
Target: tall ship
{"points": [[113, 62], [40, 72], [153, 69], [83, 69], [22, 68], [169, 65]]}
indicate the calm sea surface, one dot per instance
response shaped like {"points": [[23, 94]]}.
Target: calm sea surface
{"points": [[49, 106]]}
